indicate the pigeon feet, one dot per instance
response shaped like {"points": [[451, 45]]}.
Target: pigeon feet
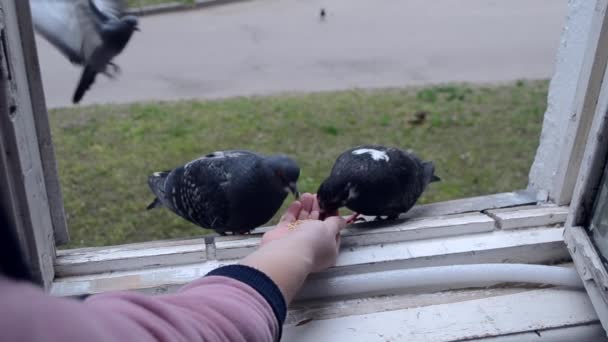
{"points": [[234, 233], [355, 218], [116, 68], [387, 218], [114, 72]]}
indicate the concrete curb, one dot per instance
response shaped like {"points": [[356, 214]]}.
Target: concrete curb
{"points": [[177, 7]]}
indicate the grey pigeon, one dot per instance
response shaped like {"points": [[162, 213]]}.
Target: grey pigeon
{"points": [[227, 191], [376, 180], [90, 33]]}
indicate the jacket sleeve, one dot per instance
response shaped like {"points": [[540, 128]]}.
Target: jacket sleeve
{"points": [[232, 303]]}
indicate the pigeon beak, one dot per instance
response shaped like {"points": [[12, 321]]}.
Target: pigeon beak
{"points": [[137, 28], [293, 187]]}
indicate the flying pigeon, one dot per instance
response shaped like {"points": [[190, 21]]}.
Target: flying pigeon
{"points": [[90, 33], [227, 191], [376, 180]]}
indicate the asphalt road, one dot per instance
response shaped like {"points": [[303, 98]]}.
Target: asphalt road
{"points": [[269, 46]]}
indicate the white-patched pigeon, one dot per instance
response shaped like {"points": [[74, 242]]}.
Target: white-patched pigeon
{"points": [[90, 33], [227, 191], [376, 180]]}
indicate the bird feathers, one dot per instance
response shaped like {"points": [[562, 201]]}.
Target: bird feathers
{"points": [[86, 80], [156, 203], [429, 172], [88, 32], [109, 9], [233, 191], [375, 180], [60, 22], [375, 154]]}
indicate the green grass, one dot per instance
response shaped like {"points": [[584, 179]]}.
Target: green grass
{"points": [[482, 139]]}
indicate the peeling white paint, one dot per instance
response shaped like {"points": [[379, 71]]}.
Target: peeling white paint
{"points": [[562, 92], [458, 321]]}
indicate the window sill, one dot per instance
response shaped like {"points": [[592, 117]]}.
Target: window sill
{"points": [[437, 235], [496, 314], [455, 232]]}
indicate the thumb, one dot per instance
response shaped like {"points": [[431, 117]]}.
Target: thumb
{"points": [[335, 224], [292, 212]]}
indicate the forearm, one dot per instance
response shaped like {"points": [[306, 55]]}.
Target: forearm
{"points": [[214, 308], [287, 269]]}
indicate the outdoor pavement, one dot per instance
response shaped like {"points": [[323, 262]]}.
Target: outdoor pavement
{"points": [[269, 46]]}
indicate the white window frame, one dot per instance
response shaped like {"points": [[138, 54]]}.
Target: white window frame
{"points": [[522, 226], [31, 190], [593, 159]]}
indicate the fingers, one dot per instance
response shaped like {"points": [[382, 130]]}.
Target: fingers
{"points": [[292, 212], [338, 240], [352, 218], [335, 224], [314, 214], [307, 201], [307, 206]]}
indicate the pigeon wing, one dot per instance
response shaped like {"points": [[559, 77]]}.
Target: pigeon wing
{"points": [[71, 26], [90, 25], [57, 21], [109, 8]]}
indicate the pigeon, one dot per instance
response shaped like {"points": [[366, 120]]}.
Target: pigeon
{"points": [[322, 14], [227, 191], [376, 181], [90, 33]]}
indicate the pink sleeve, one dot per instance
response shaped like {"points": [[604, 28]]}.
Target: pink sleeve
{"points": [[214, 308]]}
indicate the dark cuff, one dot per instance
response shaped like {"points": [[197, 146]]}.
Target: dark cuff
{"points": [[261, 283]]}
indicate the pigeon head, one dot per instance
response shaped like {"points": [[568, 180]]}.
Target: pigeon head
{"points": [[131, 22], [333, 195], [429, 173], [118, 32], [286, 171]]}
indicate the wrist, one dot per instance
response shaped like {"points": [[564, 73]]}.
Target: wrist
{"points": [[286, 265], [292, 252]]}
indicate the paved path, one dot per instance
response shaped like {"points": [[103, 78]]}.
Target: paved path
{"points": [[269, 46]]}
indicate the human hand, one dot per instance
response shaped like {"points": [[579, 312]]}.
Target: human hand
{"points": [[301, 231]]}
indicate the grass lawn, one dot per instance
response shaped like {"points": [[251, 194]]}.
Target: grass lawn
{"points": [[482, 139]]}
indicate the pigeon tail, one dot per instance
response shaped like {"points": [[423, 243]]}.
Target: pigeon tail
{"points": [[155, 204], [156, 182], [86, 80]]}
